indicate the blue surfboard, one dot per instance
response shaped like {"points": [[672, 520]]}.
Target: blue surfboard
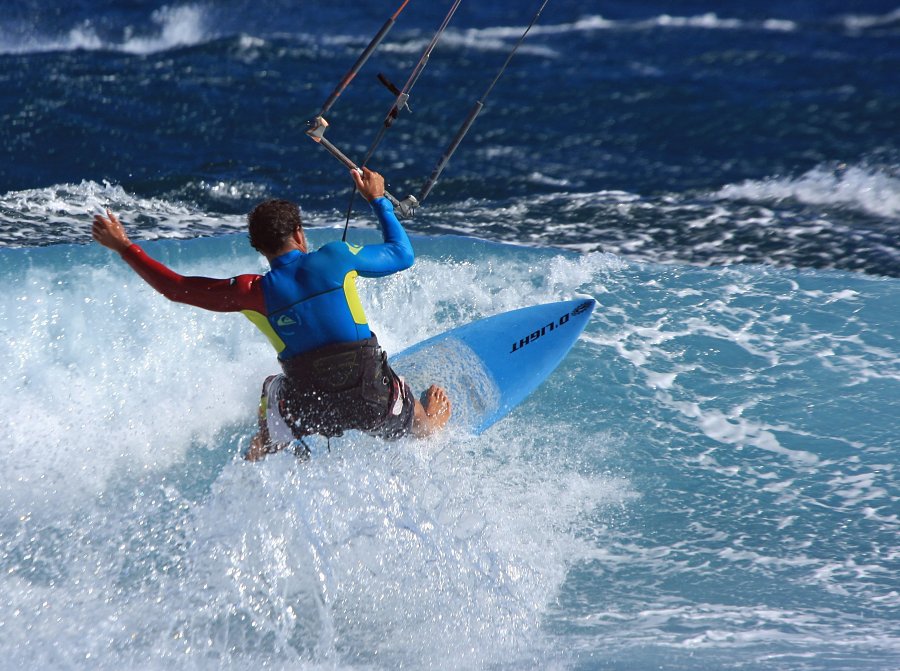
{"points": [[489, 366]]}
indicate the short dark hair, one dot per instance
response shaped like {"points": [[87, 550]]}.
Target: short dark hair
{"points": [[271, 223]]}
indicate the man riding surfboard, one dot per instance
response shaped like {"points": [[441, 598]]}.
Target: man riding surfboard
{"points": [[334, 376]]}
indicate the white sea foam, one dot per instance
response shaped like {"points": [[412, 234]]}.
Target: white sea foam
{"points": [[473, 39], [172, 27], [96, 367], [68, 208], [93, 357], [409, 553], [737, 330], [592, 23], [709, 20], [712, 21], [64, 212], [540, 178], [870, 190], [501, 38], [860, 22], [457, 548], [584, 24], [776, 222], [178, 27]]}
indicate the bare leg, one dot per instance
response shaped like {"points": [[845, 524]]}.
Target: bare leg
{"points": [[257, 449], [433, 414], [261, 446]]}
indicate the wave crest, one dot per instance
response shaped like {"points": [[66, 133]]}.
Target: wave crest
{"points": [[173, 27], [63, 213], [871, 190]]}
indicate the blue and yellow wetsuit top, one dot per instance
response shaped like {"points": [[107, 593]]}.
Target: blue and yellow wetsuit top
{"points": [[306, 300]]}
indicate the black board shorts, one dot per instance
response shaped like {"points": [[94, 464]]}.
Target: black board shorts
{"points": [[334, 389]]}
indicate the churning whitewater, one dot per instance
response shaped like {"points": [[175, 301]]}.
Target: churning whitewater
{"points": [[708, 481]]}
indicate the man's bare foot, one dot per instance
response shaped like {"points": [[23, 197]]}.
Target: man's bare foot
{"points": [[433, 414]]}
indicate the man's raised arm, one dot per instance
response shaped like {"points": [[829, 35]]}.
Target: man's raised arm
{"points": [[396, 253], [219, 295]]}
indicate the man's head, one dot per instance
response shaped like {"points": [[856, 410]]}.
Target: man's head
{"points": [[273, 224]]}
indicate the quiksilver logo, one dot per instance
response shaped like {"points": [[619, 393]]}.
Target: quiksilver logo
{"points": [[582, 308], [284, 320]]}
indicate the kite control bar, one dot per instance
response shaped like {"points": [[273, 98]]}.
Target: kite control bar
{"points": [[405, 208]]}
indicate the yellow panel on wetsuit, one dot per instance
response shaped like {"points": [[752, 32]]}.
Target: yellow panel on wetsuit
{"points": [[312, 299]]}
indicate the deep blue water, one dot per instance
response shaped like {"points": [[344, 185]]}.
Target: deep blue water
{"points": [[709, 481]]}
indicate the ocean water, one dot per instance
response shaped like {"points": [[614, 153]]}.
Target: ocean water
{"points": [[708, 481]]}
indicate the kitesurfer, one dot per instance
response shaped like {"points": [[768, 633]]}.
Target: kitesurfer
{"points": [[334, 376]]}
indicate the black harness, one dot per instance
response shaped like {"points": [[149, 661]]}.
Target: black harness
{"points": [[338, 387]]}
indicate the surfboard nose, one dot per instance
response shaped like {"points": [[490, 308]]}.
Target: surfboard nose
{"points": [[585, 305], [508, 354]]}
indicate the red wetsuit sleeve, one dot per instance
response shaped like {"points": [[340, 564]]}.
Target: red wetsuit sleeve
{"points": [[243, 292]]}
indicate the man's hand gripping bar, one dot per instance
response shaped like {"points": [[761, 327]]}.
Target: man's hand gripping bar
{"points": [[405, 208]]}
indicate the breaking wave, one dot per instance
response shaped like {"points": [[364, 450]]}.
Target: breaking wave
{"points": [[871, 190], [172, 27]]}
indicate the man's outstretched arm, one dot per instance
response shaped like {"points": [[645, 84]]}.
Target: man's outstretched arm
{"points": [[228, 295]]}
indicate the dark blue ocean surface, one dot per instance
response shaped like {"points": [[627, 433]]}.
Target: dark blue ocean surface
{"points": [[710, 479], [713, 135]]}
